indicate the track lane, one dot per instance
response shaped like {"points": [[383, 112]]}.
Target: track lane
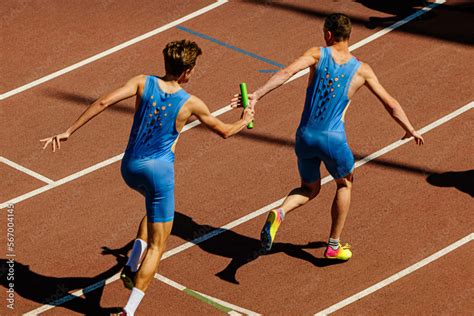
{"points": [[425, 291], [15, 183], [285, 177], [41, 39]]}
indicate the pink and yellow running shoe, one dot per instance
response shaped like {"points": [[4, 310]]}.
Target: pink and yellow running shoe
{"points": [[269, 230], [342, 253]]}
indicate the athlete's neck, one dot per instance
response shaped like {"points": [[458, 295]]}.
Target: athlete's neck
{"points": [[340, 46], [171, 82]]}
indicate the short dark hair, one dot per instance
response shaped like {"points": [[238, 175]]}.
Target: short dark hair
{"points": [[339, 25], [180, 56]]}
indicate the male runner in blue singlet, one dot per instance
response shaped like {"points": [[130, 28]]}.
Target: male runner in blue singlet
{"points": [[161, 111], [335, 76]]}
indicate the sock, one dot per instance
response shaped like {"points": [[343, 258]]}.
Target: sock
{"points": [[139, 247], [333, 243], [134, 300], [281, 213]]}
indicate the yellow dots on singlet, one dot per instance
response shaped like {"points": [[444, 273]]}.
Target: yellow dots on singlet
{"points": [[342, 76], [169, 104], [154, 103], [336, 79], [152, 97], [163, 107], [161, 124]]}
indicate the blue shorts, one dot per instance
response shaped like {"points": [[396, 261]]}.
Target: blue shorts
{"points": [[154, 179], [330, 147]]}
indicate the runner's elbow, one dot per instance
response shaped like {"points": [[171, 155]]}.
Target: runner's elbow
{"points": [[397, 112], [103, 102], [226, 134], [223, 131], [392, 106], [284, 74]]}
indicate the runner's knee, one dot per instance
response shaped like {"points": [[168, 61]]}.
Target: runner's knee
{"points": [[345, 182]]}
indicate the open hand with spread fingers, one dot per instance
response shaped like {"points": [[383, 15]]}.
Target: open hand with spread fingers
{"points": [[55, 140]]}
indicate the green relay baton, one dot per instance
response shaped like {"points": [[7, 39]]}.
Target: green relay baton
{"points": [[245, 100]]}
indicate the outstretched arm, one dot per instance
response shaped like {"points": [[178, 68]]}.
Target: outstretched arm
{"points": [[128, 90], [202, 112], [309, 58], [390, 103]]}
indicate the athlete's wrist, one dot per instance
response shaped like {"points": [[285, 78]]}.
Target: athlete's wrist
{"points": [[69, 132], [258, 94]]}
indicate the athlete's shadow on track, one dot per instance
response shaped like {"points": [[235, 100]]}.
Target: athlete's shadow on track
{"points": [[239, 248], [448, 22], [44, 289], [398, 8], [83, 100], [461, 180]]}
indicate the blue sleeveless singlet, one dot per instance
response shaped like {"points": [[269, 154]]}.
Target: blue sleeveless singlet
{"points": [[321, 134], [148, 163]]}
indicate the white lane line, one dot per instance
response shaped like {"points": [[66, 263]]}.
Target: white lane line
{"points": [[62, 181], [112, 50], [380, 33], [423, 130], [396, 276], [171, 283], [261, 211], [234, 308], [216, 113], [181, 287], [398, 24], [25, 170]]}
